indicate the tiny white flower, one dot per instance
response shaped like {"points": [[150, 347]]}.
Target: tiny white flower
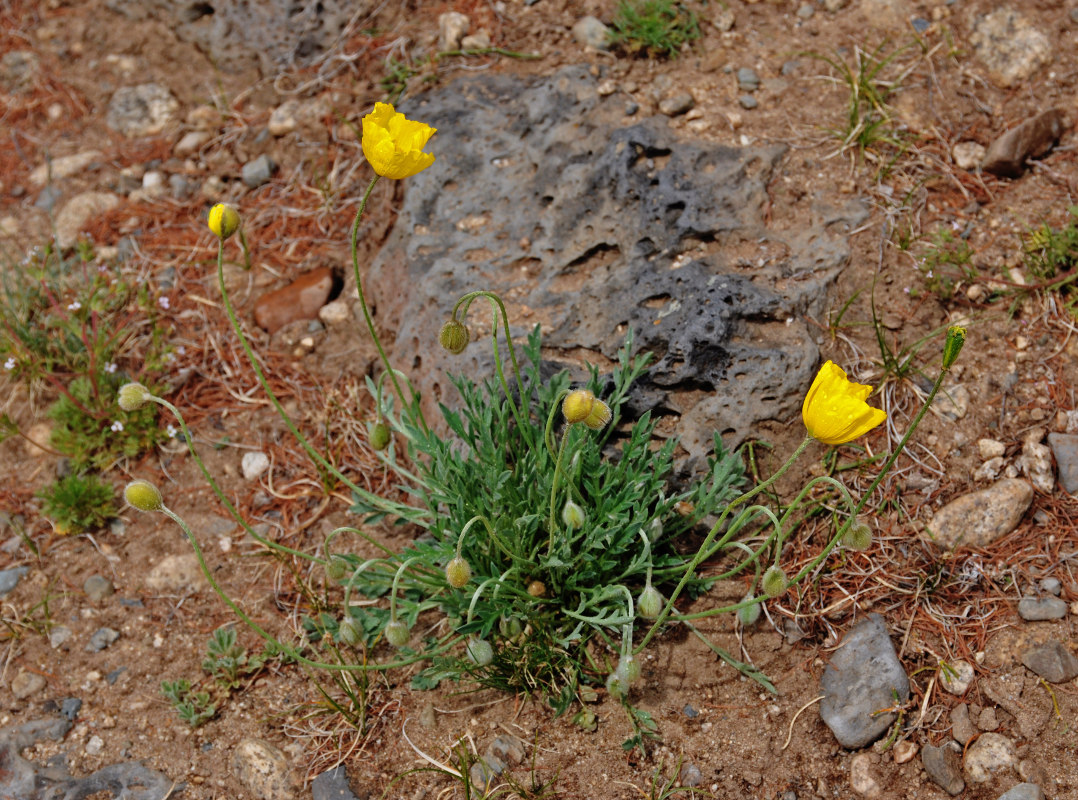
{"points": [[110, 368], [181, 350], [171, 431], [163, 302], [75, 306], [928, 274], [907, 290], [117, 426], [9, 364]]}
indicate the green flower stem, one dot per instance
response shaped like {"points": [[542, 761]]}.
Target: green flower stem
{"points": [[291, 652], [366, 311], [396, 583], [280, 548], [246, 249], [690, 570], [498, 308], [548, 433], [373, 499], [490, 533], [553, 524]]}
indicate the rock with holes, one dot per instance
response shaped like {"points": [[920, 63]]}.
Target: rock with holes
{"points": [[589, 225]]}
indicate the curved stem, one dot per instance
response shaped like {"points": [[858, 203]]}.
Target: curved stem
{"points": [[553, 523], [690, 570]]}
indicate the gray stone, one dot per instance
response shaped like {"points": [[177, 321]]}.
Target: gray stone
{"points": [[26, 683], [64, 166], [1065, 450], [805, 11], [956, 677], [258, 171], [962, 729], [1035, 137], [332, 785], [747, 79], [988, 755], [452, 27], [98, 588], [283, 118], [1023, 791], [142, 110], [1036, 609], [1009, 46], [237, 34], [191, 142], [988, 721], [484, 772], [180, 187], [862, 779], [862, 677], [58, 635], [9, 578], [254, 465], [979, 518], [591, 32], [583, 216], [508, 748], [263, 769], [1051, 661], [173, 573], [747, 101], [102, 638], [968, 155], [1052, 586], [80, 209], [691, 776], [676, 104], [939, 763]]}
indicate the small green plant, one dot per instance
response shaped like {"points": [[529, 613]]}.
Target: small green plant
{"points": [[75, 328], [946, 263], [78, 502], [193, 707], [1051, 252], [227, 662], [869, 124], [657, 28]]}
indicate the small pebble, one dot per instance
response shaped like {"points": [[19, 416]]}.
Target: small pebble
{"points": [[1034, 609], [747, 101], [1052, 586], [101, 639], [98, 588]]}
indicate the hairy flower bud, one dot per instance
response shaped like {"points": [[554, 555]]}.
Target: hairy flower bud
{"points": [[458, 572], [349, 631], [572, 515], [628, 670], [397, 633], [454, 336], [599, 417], [337, 568], [537, 589], [857, 537], [654, 530], [143, 495], [615, 685], [510, 627], [774, 581], [650, 602], [480, 652], [223, 220], [133, 396], [378, 435], [577, 405], [749, 614], [956, 337]]}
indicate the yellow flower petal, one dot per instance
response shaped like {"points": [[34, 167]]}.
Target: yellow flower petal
{"points": [[394, 144], [835, 411]]}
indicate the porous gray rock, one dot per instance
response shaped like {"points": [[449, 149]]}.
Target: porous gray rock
{"points": [[863, 676], [1052, 661], [1009, 46], [332, 785], [591, 226], [979, 518], [239, 34]]}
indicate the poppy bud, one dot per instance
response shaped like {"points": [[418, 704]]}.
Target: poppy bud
{"points": [[397, 633], [749, 614], [650, 602], [143, 495], [378, 435], [349, 631], [133, 396], [774, 581], [454, 336], [572, 515], [224, 220], [480, 652], [458, 572]]}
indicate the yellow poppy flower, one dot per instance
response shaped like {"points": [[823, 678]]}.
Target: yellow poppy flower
{"points": [[393, 144], [835, 411]]}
